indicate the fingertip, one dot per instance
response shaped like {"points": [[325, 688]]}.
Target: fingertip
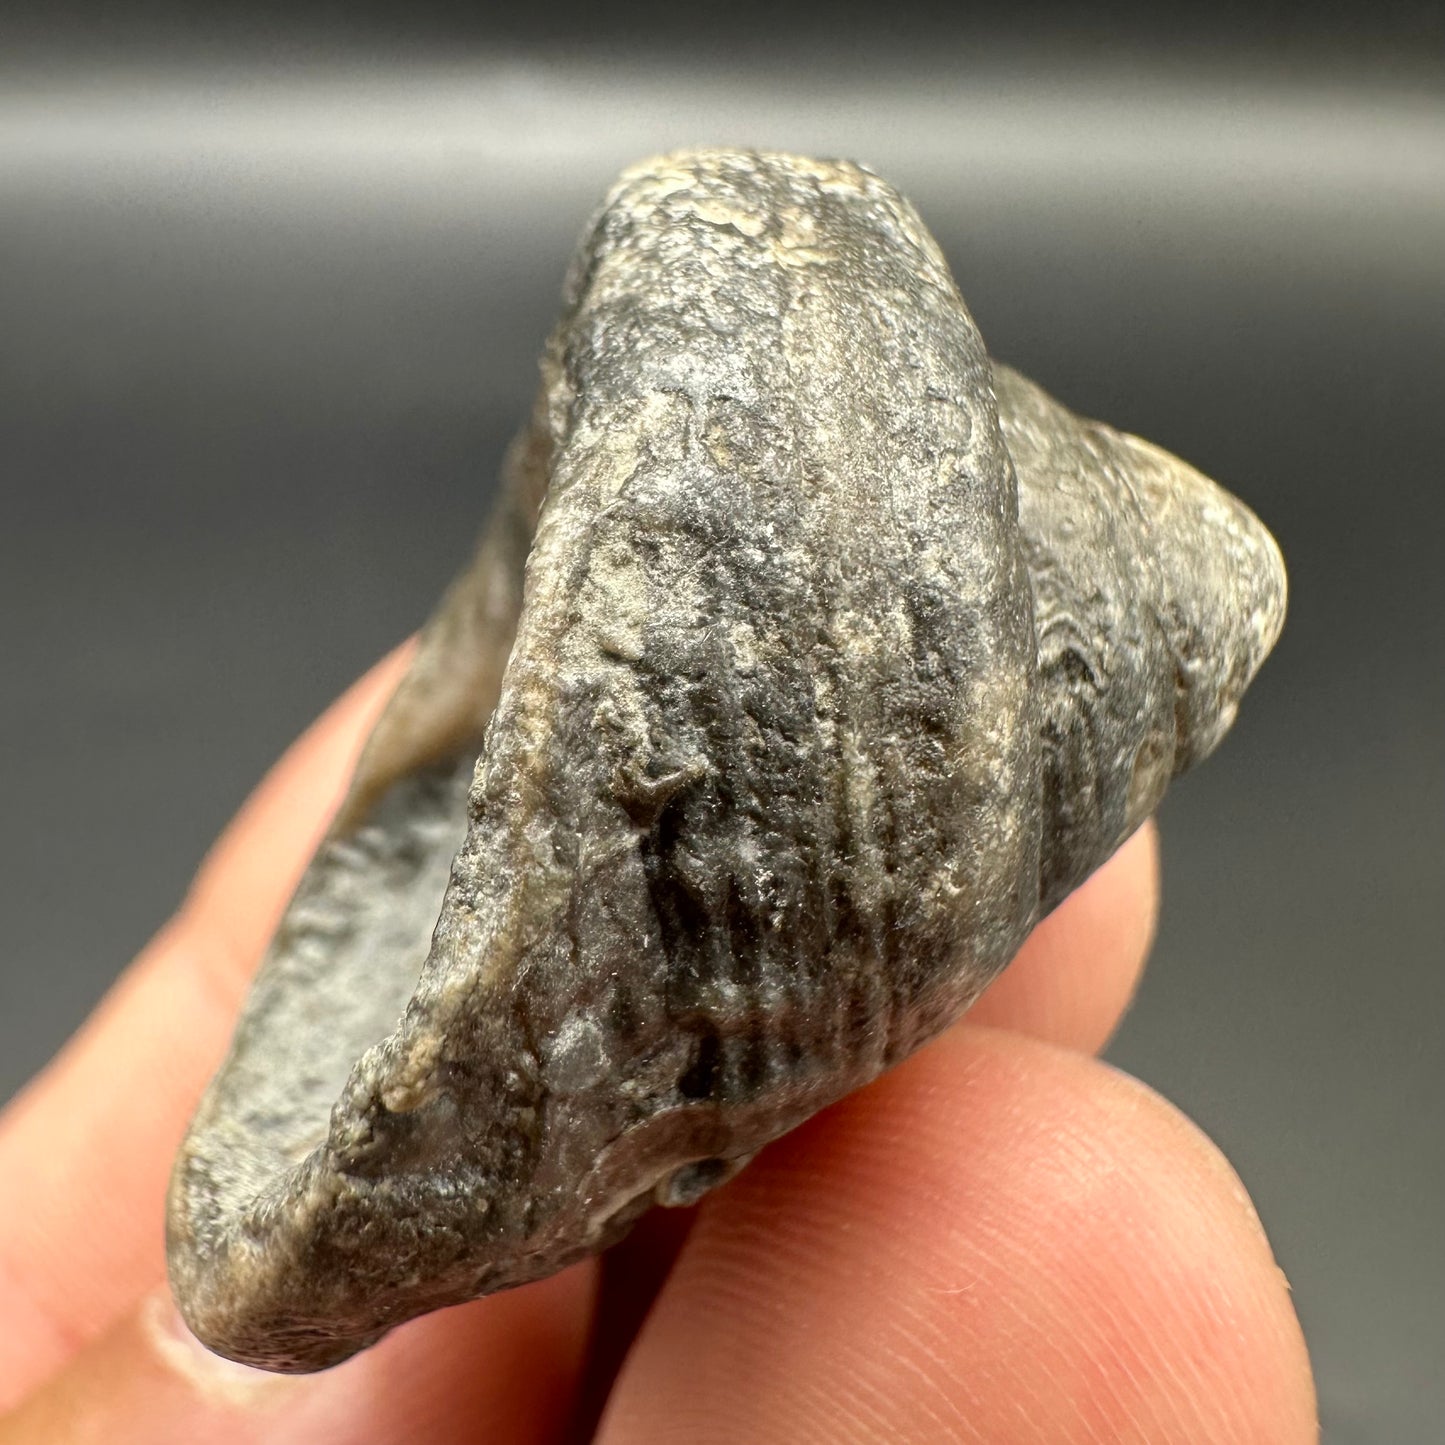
{"points": [[1000, 1242], [1077, 973]]}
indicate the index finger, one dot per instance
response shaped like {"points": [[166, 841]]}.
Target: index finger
{"points": [[86, 1148]]}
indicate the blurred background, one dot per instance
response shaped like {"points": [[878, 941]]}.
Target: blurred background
{"points": [[272, 286]]}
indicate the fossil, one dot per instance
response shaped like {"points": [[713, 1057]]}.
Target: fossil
{"points": [[809, 659]]}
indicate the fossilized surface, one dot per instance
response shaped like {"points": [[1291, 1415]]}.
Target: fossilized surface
{"points": [[841, 657]]}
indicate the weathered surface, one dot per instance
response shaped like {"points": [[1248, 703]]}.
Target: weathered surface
{"points": [[841, 658]]}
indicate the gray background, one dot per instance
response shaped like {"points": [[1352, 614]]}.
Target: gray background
{"points": [[270, 300]]}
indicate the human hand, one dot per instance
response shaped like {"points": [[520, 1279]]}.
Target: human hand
{"points": [[1001, 1241]]}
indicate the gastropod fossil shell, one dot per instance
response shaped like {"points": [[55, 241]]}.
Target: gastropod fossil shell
{"points": [[809, 659]]}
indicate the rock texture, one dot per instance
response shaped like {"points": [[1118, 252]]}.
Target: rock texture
{"points": [[810, 658]]}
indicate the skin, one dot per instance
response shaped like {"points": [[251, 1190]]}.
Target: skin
{"points": [[1003, 1240]]}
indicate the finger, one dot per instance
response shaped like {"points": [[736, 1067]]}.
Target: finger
{"points": [[1070, 985], [999, 1242], [1075, 976], [630, 1276], [501, 1369], [245, 881], [86, 1149]]}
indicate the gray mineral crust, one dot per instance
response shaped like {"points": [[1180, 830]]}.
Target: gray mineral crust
{"points": [[809, 659]]}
